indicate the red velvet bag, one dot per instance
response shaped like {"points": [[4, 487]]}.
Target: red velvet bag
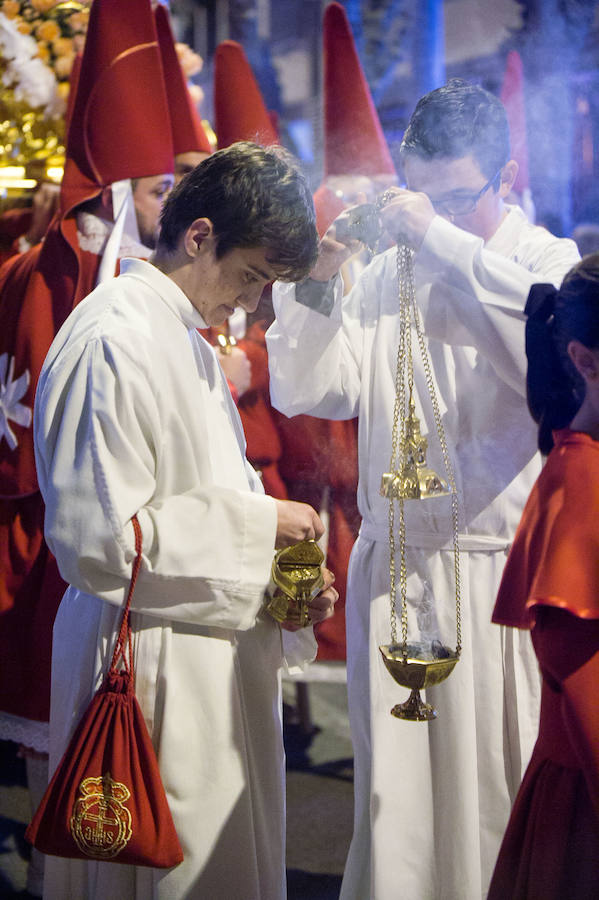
{"points": [[106, 800]]}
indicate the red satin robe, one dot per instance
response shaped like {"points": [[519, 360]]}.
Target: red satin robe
{"points": [[550, 850], [38, 290]]}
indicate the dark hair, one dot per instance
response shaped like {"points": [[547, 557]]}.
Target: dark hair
{"points": [[456, 120], [255, 197], [555, 389]]}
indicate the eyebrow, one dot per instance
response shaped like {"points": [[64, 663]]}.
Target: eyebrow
{"points": [[259, 272], [466, 192]]}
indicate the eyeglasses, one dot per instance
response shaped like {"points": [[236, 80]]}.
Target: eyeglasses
{"points": [[466, 203]]}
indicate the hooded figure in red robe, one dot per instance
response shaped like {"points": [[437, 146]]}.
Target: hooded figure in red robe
{"points": [[116, 133]]}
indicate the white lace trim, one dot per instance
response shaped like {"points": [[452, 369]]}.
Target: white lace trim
{"points": [[93, 234], [25, 731]]}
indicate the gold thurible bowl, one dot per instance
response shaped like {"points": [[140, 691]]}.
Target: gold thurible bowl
{"points": [[297, 578], [416, 667]]}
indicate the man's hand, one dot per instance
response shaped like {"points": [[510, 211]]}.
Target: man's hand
{"points": [[296, 522], [407, 216], [322, 606], [335, 249], [237, 368]]}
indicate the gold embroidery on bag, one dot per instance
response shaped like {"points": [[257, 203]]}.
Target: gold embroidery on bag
{"points": [[100, 824]]}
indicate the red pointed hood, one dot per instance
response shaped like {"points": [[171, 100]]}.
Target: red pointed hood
{"points": [[73, 85], [117, 128], [239, 110], [354, 140], [187, 129], [512, 97], [327, 206]]}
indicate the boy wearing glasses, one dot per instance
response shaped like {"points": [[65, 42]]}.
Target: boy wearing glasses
{"points": [[432, 799]]}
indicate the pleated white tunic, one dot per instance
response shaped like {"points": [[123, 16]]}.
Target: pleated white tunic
{"points": [[432, 800], [133, 415]]}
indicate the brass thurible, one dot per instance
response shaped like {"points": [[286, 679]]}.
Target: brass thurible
{"points": [[297, 577], [415, 665], [413, 480]]}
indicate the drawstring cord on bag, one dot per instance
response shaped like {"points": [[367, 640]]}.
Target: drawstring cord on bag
{"points": [[124, 643]]}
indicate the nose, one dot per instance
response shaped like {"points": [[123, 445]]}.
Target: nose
{"points": [[252, 298]]}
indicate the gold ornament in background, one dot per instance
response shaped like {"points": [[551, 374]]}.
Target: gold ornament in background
{"points": [[209, 132], [414, 665], [32, 134], [297, 575], [26, 137], [226, 342]]}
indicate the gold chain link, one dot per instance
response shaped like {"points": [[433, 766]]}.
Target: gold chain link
{"points": [[397, 445], [404, 384]]}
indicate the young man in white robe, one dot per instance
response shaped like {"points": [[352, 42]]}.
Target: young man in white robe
{"points": [[133, 416], [432, 799]]}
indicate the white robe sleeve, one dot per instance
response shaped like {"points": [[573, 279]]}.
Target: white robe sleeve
{"points": [[99, 443], [468, 296], [314, 358], [477, 296]]}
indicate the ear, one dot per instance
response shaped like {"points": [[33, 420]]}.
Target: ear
{"points": [[198, 233], [508, 177], [106, 202], [585, 360]]}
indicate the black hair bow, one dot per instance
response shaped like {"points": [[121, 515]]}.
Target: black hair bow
{"points": [[540, 305]]}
